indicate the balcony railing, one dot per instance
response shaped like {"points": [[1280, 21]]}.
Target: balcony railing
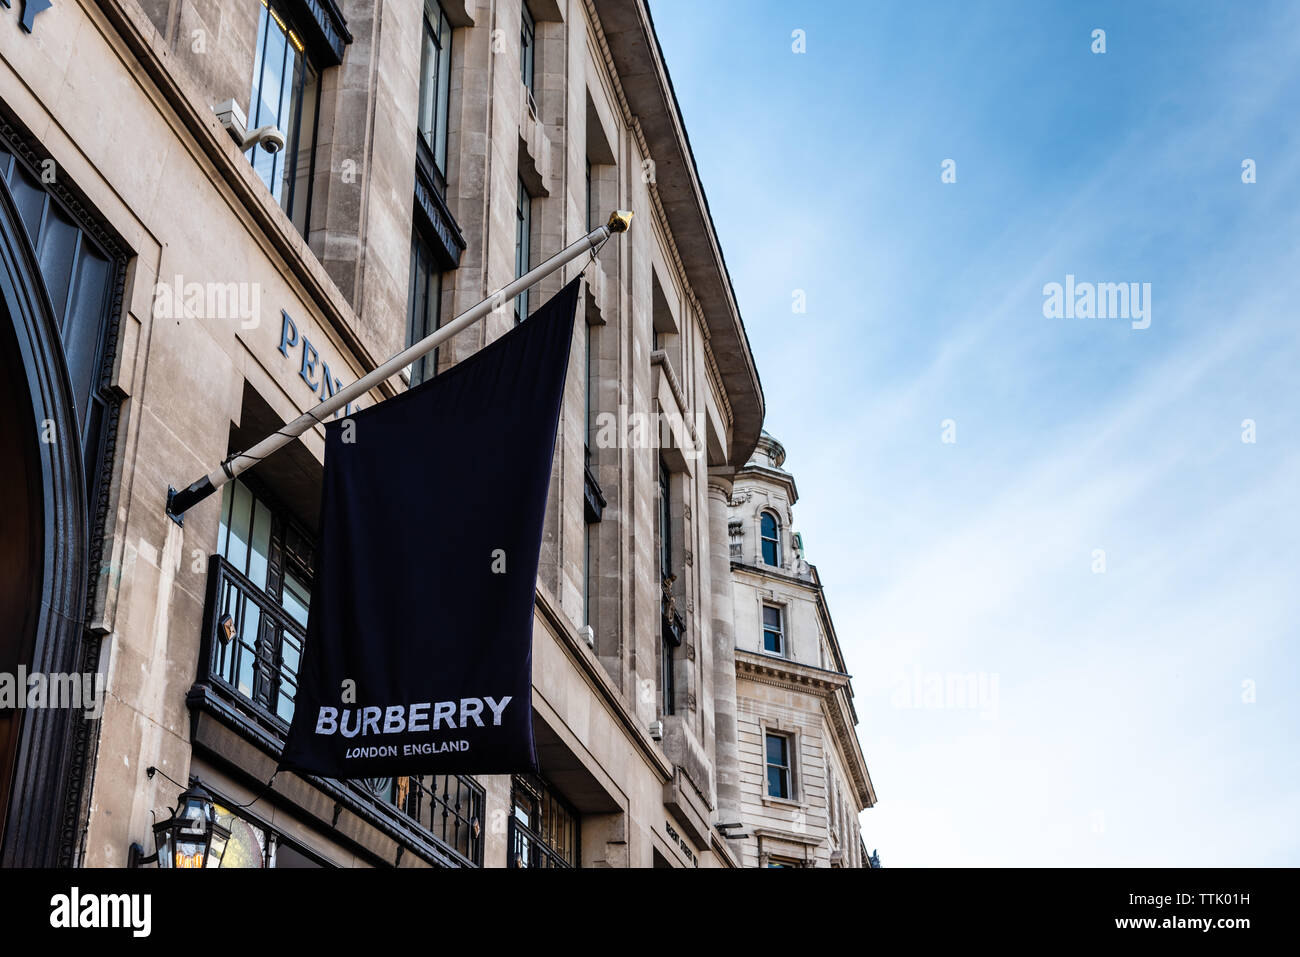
{"points": [[527, 849], [249, 660]]}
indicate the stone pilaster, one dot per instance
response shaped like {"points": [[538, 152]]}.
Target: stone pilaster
{"points": [[727, 767]]}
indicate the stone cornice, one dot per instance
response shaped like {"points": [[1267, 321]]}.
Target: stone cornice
{"points": [[625, 34], [791, 675], [768, 572], [753, 472], [806, 838], [716, 383], [837, 712], [833, 688]]}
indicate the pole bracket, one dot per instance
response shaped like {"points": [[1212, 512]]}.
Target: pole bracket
{"points": [[177, 517]]}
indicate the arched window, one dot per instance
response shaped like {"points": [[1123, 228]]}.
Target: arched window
{"points": [[771, 535]]}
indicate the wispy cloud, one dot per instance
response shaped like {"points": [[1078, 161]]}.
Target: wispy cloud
{"points": [[1123, 733]]}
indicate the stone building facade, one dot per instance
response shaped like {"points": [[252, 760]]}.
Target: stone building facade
{"points": [[173, 290], [803, 776]]}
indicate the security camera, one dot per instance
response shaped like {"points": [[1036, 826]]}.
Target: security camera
{"points": [[267, 137], [233, 121]]}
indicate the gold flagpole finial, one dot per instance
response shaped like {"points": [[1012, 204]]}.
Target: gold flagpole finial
{"points": [[619, 220]]}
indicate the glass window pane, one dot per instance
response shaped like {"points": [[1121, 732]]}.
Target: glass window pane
{"points": [[303, 151], [86, 307], [775, 749], [444, 97], [247, 844], [527, 44], [287, 694], [285, 95], [223, 528], [228, 654], [30, 199], [428, 83], [240, 519], [57, 253], [248, 630], [261, 544], [774, 782], [296, 598]]}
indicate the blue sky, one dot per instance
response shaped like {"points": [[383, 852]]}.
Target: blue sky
{"points": [[1122, 730]]}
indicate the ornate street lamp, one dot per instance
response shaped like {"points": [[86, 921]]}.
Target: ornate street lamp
{"points": [[191, 837]]}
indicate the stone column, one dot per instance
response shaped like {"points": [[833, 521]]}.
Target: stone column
{"points": [[727, 760]]}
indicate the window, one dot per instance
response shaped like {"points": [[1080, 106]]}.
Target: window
{"points": [[665, 522], [673, 626], [543, 827], [435, 83], [589, 533], [523, 234], [586, 395], [593, 499], [589, 530], [259, 593], [253, 845], [80, 275], [589, 204], [773, 630], [265, 600], [667, 682], [527, 48], [286, 92], [422, 307], [778, 766], [770, 531]]}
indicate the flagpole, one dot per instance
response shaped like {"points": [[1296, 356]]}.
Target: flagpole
{"points": [[178, 502]]}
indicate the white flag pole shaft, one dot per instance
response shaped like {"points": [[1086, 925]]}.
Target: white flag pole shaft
{"points": [[179, 502]]}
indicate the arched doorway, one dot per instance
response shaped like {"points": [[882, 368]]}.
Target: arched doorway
{"points": [[21, 539], [43, 546]]}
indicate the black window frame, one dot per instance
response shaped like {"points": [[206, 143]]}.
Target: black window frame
{"points": [[774, 539], [523, 246], [308, 74], [423, 305], [782, 642], [527, 48], [532, 843], [438, 88], [589, 204], [290, 551], [786, 769]]}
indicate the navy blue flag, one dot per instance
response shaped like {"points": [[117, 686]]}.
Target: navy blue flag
{"points": [[418, 657]]}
